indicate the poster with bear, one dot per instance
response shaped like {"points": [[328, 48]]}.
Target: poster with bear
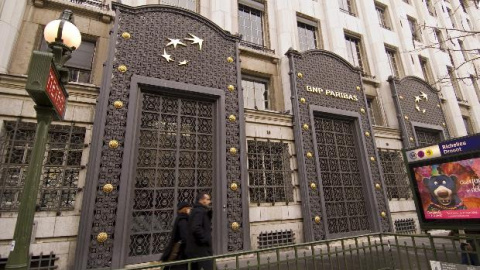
{"points": [[450, 190]]}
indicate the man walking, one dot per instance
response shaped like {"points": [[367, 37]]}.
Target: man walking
{"points": [[199, 240]]}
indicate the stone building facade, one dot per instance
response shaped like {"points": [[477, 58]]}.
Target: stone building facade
{"points": [[308, 102]]}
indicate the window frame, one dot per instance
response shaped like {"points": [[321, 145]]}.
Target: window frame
{"points": [[261, 9], [259, 80], [360, 51], [455, 85], [350, 9], [431, 8], [375, 111], [316, 32], [439, 37], [383, 16], [416, 35], [394, 61], [426, 70], [197, 5], [467, 121], [55, 183]]}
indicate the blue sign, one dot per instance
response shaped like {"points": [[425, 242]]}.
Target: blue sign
{"points": [[460, 145]]}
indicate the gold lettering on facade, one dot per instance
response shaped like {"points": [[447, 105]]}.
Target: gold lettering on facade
{"points": [[332, 93]]}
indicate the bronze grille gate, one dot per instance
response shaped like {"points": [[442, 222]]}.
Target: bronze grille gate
{"points": [[341, 179], [174, 163]]}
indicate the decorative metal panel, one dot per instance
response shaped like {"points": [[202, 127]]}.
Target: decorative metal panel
{"points": [[60, 170], [139, 46], [276, 239], [418, 102], [174, 163], [343, 187], [312, 74]]}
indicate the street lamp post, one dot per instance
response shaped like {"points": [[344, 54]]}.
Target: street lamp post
{"points": [[45, 84]]}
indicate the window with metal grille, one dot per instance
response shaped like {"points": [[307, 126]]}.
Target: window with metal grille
{"points": [[276, 239], [414, 29], [80, 65], [255, 93], [307, 36], [427, 136], [405, 226], [393, 61], [61, 167], [269, 172], [43, 262], [382, 16], [355, 52], [468, 125], [395, 174], [452, 77], [426, 71], [375, 111], [250, 24], [347, 6], [186, 4]]}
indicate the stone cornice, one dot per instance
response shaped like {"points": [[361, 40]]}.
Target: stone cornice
{"points": [[268, 117], [14, 85], [387, 133]]}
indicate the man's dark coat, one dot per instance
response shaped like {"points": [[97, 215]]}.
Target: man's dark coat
{"points": [[199, 240]]}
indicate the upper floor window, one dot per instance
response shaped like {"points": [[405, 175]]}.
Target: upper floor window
{"points": [[463, 50], [60, 169], [406, 1], [468, 125], [464, 5], [382, 16], [355, 53], [255, 93], [430, 8], [452, 17], [426, 71], [414, 29], [186, 4], [439, 37], [80, 65], [393, 61], [453, 80], [269, 172], [307, 35], [347, 6], [250, 23]]}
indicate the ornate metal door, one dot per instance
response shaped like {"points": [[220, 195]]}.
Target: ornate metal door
{"points": [[174, 162], [342, 183]]}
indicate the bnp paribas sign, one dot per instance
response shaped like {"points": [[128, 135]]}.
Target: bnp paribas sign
{"points": [[331, 93]]}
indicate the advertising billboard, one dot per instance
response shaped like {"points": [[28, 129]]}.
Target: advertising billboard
{"points": [[446, 183]]}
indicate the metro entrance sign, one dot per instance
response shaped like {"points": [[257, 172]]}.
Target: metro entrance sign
{"points": [[43, 84]]}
